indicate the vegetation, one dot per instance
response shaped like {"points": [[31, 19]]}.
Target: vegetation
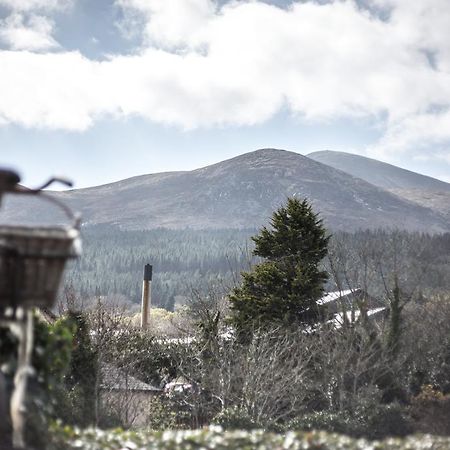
{"points": [[51, 359], [284, 288], [214, 438], [205, 260], [113, 262], [280, 381], [370, 378]]}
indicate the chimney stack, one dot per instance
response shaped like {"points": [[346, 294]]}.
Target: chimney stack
{"points": [[146, 296]]}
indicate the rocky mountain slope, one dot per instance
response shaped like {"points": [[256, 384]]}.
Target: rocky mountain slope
{"points": [[420, 189], [241, 192]]}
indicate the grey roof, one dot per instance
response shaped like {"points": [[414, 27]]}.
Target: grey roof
{"points": [[115, 379]]}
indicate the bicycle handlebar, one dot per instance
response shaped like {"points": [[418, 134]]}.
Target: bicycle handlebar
{"points": [[9, 183]]}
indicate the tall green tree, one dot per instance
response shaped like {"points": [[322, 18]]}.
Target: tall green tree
{"points": [[284, 288], [80, 381]]}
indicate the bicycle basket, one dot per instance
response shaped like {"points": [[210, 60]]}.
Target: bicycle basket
{"points": [[32, 262]]}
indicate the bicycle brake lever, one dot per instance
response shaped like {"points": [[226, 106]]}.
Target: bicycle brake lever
{"points": [[62, 180]]}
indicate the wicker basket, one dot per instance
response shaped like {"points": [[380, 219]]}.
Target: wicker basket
{"points": [[32, 262]]}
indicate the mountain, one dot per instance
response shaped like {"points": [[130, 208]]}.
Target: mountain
{"points": [[421, 189], [241, 192], [378, 173]]}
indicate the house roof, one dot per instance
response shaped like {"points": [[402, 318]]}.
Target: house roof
{"points": [[339, 319], [115, 379], [336, 295]]}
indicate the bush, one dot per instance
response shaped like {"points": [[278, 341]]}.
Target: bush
{"points": [[162, 417], [431, 411], [50, 359], [372, 423], [215, 438], [385, 420], [234, 418], [322, 420]]}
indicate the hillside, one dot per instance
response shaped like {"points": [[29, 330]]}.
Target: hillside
{"points": [[421, 189], [241, 192], [378, 173]]}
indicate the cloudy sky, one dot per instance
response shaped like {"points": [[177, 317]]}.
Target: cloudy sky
{"points": [[106, 89]]}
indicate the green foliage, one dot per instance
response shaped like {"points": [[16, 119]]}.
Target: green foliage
{"points": [[378, 422], [66, 438], [234, 418], [431, 411], [162, 417], [322, 420], [297, 236], [283, 288], [385, 420], [51, 352], [113, 260], [80, 380], [149, 359], [64, 382], [50, 359], [396, 306]]}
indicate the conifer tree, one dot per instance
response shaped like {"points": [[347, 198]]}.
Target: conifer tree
{"points": [[283, 289]]}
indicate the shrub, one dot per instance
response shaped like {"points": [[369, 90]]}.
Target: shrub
{"points": [[50, 359], [162, 417], [385, 420], [321, 420], [234, 418], [372, 423], [431, 411], [215, 438]]}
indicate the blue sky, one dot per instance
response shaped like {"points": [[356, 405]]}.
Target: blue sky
{"points": [[107, 89]]}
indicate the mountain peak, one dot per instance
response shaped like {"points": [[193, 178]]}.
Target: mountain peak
{"points": [[267, 154], [243, 192], [271, 152], [378, 173]]}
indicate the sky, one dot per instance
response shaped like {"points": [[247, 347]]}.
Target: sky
{"points": [[107, 89]]}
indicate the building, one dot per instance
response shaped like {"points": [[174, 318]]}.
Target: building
{"points": [[124, 396], [350, 306]]}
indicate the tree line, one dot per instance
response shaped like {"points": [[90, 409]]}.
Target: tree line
{"points": [[187, 260]]}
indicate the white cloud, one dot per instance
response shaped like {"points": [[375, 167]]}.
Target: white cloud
{"points": [[170, 23], [414, 134], [32, 33], [29, 25], [201, 65], [33, 5], [55, 91]]}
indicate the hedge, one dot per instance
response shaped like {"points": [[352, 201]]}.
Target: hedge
{"points": [[66, 438]]}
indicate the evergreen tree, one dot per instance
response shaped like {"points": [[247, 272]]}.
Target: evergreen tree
{"points": [[283, 289], [82, 375]]}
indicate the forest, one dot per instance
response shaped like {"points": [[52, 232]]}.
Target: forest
{"points": [[201, 260], [182, 260]]}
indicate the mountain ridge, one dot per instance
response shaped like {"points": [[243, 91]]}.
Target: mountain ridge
{"points": [[417, 188], [377, 172], [240, 192]]}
